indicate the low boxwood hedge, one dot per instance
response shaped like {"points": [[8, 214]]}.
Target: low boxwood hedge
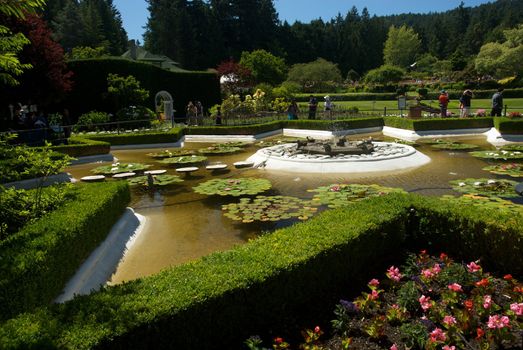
{"points": [[37, 261], [252, 129], [438, 123], [81, 147], [289, 277], [139, 138], [509, 126]]}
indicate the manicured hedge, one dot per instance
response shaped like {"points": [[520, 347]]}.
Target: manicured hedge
{"points": [[509, 126], [252, 129], [81, 147], [90, 77], [285, 278], [37, 261], [170, 136], [438, 123]]}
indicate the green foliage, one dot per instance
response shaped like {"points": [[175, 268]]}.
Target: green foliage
{"points": [[158, 180], [438, 123], [171, 153], [264, 66], [88, 121], [184, 160], [86, 52], [491, 204], [118, 168], [384, 75], [486, 187], [142, 115], [81, 147], [233, 187], [38, 260], [401, 47], [314, 76], [126, 90], [498, 155], [242, 291], [269, 208], [138, 138], [218, 149], [455, 146], [508, 126], [513, 169], [341, 195]]}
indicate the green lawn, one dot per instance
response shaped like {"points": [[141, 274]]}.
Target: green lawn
{"points": [[514, 104]]}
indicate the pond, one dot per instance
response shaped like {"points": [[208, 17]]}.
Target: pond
{"points": [[183, 225]]}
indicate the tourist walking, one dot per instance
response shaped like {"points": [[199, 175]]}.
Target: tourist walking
{"points": [[292, 110], [443, 103], [465, 102], [497, 103], [190, 113], [313, 107]]}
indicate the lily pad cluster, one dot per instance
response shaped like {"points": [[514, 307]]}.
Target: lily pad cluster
{"points": [[512, 169], [158, 180], [498, 155], [340, 195], [405, 142], [486, 187], [269, 208], [517, 148], [219, 150], [490, 203], [233, 187], [184, 160], [277, 141], [171, 153], [118, 168], [434, 141], [232, 144], [455, 146]]}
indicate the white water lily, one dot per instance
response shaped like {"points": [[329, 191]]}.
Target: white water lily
{"points": [[130, 166], [114, 169], [491, 182], [478, 183], [461, 184]]}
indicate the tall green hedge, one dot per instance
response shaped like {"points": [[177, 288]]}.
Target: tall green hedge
{"points": [[438, 123], [37, 261], [290, 276], [90, 89], [81, 147], [509, 126], [138, 138]]}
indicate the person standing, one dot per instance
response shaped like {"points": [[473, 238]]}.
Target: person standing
{"points": [[313, 107], [497, 103], [190, 112], [199, 113], [328, 106], [443, 102], [465, 102], [292, 110]]}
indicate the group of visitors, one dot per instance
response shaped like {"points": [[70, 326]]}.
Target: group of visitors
{"points": [[465, 102], [194, 113], [293, 109]]}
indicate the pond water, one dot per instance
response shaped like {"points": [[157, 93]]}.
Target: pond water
{"points": [[183, 225]]}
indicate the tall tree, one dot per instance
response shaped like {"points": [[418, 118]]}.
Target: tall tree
{"points": [[401, 46], [265, 67]]}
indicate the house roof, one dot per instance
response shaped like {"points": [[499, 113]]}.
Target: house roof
{"points": [[164, 62]]}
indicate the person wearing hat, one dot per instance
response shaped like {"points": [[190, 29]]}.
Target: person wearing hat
{"points": [[443, 102], [465, 101]]}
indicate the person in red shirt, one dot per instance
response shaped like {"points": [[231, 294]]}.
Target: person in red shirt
{"points": [[443, 103]]}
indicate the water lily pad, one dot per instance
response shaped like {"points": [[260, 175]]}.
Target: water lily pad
{"points": [[219, 150], [276, 141], [486, 187], [340, 195], [269, 208], [517, 148], [405, 142], [184, 160], [232, 144], [118, 168], [498, 155], [455, 146], [490, 203], [233, 187], [512, 169], [158, 180], [434, 141], [171, 153]]}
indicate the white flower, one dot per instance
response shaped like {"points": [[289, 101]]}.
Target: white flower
{"points": [[461, 184], [491, 182], [478, 183], [114, 169], [130, 166]]}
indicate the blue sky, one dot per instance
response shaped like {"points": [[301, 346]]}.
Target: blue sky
{"points": [[134, 12]]}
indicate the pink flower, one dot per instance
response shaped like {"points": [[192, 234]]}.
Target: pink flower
{"points": [[335, 189], [427, 273], [449, 347], [436, 269], [317, 329], [455, 287], [482, 283], [473, 267], [437, 335], [374, 282], [443, 256], [425, 303], [394, 273], [517, 308], [497, 321], [487, 301], [449, 320], [394, 347], [374, 295]]}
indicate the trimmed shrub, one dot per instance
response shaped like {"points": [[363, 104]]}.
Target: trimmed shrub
{"points": [[290, 277], [38, 260], [509, 126], [438, 123], [91, 84], [81, 147], [139, 138], [88, 121], [252, 129]]}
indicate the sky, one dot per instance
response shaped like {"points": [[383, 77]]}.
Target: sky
{"points": [[135, 14]]}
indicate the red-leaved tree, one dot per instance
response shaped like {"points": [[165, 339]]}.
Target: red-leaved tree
{"points": [[234, 77]]}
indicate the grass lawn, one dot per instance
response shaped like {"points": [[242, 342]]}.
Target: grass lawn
{"points": [[514, 104]]}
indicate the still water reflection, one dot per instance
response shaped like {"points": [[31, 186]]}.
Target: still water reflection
{"points": [[183, 225]]}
